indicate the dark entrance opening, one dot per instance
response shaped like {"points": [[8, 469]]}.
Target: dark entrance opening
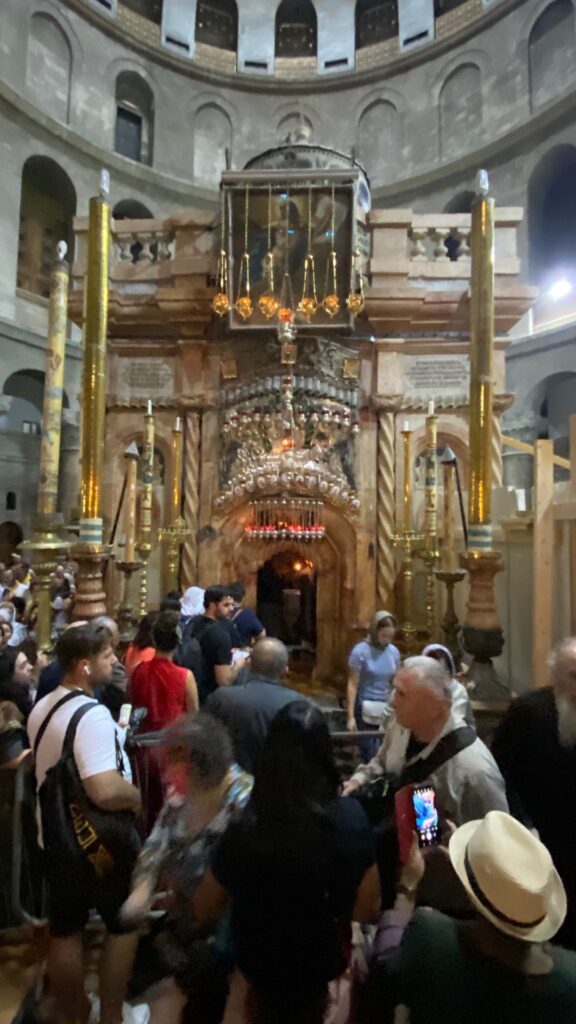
{"points": [[286, 603]]}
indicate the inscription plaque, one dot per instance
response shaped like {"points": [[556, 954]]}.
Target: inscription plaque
{"points": [[148, 377], [438, 375]]}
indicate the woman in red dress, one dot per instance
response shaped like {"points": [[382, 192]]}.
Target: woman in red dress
{"points": [[142, 647], [167, 691]]}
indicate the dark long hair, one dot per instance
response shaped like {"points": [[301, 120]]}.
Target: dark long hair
{"points": [[143, 636], [297, 776]]}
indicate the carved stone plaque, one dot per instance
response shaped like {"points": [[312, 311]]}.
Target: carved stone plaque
{"points": [[149, 377], [437, 375]]}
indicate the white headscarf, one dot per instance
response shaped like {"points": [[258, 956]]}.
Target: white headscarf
{"points": [[192, 602]]}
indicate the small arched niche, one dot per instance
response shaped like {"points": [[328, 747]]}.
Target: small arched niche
{"points": [[134, 134], [47, 209]]}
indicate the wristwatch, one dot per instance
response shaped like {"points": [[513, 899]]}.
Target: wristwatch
{"points": [[407, 890]]}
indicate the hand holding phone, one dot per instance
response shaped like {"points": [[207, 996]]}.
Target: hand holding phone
{"points": [[426, 815], [124, 717]]}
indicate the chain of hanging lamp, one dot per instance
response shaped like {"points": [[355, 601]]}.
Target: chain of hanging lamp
{"points": [[243, 304]]}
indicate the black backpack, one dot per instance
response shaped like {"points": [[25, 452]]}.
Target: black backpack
{"points": [[189, 652]]}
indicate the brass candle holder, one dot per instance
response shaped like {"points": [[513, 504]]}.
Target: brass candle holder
{"points": [[173, 537], [450, 623], [143, 550], [407, 541], [125, 617]]}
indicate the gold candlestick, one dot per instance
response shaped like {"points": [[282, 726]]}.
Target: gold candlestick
{"points": [[46, 547], [482, 631], [407, 476], [406, 539], [90, 552], [431, 553], [144, 547], [449, 563], [177, 532], [131, 455]]}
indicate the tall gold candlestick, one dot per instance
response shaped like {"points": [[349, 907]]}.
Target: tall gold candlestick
{"points": [[431, 479], [90, 553], [481, 366], [407, 479], [46, 547], [145, 544], [131, 456], [176, 470], [448, 547]]}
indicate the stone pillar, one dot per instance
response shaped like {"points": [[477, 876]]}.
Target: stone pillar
{"points": [[386, 512], [191, 481]]}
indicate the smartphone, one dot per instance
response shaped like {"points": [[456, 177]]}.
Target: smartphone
{"points": [[426, 815], [124, 717]]}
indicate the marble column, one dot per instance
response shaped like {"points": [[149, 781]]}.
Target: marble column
{"points": [[386, 512]]}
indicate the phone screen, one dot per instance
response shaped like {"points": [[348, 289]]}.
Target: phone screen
{"points": [[427, 825]]}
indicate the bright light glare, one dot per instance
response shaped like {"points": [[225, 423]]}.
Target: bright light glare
{"points": [[560, 289]]}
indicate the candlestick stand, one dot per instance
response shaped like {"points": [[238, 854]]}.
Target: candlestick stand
{"points": [[144, 550], [173, 536], [430, 555], [125, 617], [407, 540], [450, 622]]}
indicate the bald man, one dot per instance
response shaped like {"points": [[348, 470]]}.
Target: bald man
{"points": [[248, 709]]}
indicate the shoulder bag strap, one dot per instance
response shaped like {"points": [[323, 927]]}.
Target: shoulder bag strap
{"points": [[44, 726], [445, 749], [70, 734]]}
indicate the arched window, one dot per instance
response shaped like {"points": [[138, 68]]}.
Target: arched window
{"points": [[552, 217], [460, 110], [212, 143], [379, 141], [49, 66], [11, 501], [376, 21], [551, 52], [296, 29], [149, 9], [217, 24], [131, 209], [47, 207], [26, 388], [134, 117]]}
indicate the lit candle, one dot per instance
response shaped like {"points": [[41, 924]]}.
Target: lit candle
{"points": [[406, 427], [176, 470], [131, 456], [147, 476], [431, 477]]}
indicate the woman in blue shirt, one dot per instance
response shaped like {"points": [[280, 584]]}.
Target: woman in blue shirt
{"points": [[372, 665]]}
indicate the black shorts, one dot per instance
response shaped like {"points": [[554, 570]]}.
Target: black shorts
{"points": [[74, 889]]}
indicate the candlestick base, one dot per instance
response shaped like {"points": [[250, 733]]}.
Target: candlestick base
{"points": [[450, 623], [90, 599], [124, 616], [482, 633], [45, 549]]}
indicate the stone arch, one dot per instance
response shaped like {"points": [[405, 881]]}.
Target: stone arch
{"points": [[380, 140], [552, 401], [461, 202], [335, 558], [131, 209], [375, 21], [552, 215], [296, 30], [135, 105], [26, 388], [293, 127], [49, 66], [212, 144], [47, 209], [217, 24], [460, 105], [551, 52]]}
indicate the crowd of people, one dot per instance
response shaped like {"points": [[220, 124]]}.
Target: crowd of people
{"points": [[229, 861]]}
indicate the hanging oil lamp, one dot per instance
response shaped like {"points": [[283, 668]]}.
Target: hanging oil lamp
{"points": [[331, 302], [243, 304], [268, 304], [356, 299], [221, 302], [286, 308], [309, 302]]}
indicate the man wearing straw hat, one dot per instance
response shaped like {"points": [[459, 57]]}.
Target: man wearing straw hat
{"points": [[497, 967]]}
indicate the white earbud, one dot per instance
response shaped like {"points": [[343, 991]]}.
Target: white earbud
{"points": [[86, 670]]}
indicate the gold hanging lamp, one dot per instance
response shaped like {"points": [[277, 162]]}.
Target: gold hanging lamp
{"points": [[268, 304], [221, 301], [286, 308], [331, 302], [309, 302], [356, 298], [243, 304]]}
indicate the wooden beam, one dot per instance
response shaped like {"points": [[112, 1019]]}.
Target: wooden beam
{"points": [[543, 560], [528, 449]]}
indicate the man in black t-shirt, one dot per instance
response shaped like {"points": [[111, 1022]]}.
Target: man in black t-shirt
{"points": [[212, 632]]}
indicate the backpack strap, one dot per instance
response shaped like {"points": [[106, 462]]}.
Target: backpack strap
{"points": [[445, 749], [45, 723], [70, 734]]}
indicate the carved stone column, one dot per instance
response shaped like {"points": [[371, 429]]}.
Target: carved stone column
{"points": [[386, 510], [191, 481]]}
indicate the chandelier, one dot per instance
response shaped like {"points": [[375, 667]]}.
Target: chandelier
{"points": [[274, 519]]}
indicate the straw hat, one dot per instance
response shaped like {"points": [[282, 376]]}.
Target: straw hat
{"points": [[509, 877]]}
